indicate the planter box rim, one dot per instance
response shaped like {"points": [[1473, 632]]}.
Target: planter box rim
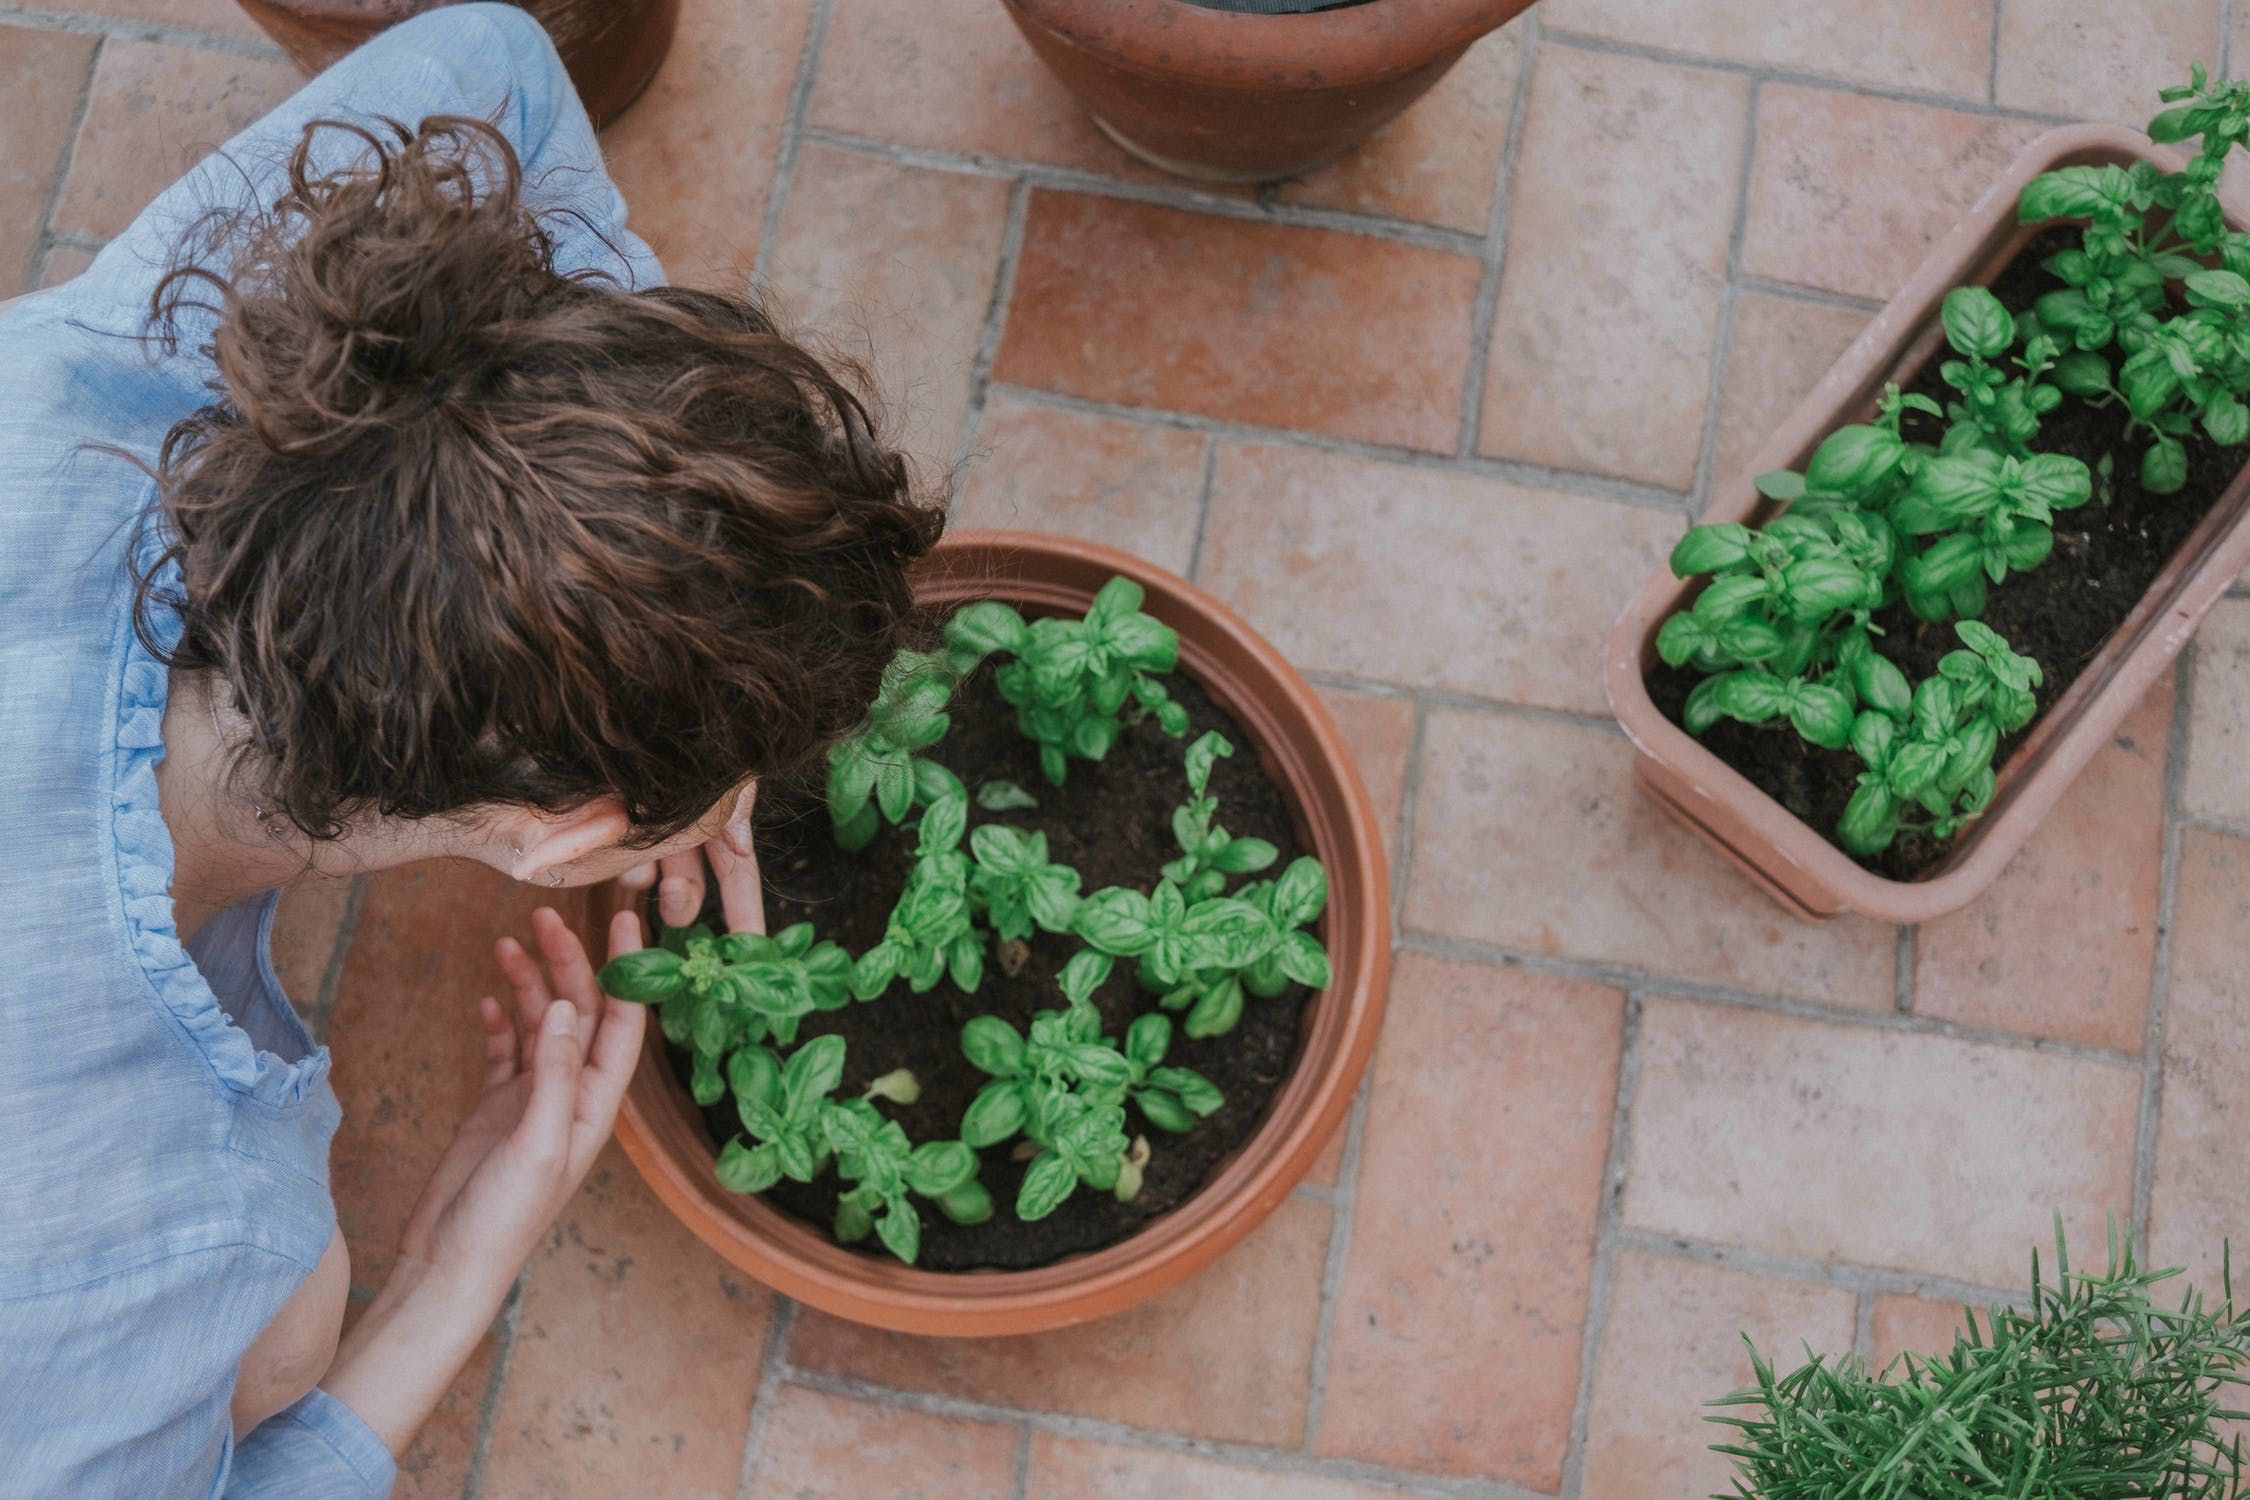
{"points": [[1793, 861]]}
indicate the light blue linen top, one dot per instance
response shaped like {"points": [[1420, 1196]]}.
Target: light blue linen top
{"points": [[164, 1117]]}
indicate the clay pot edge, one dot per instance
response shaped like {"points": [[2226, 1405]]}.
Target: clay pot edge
{"points": [[661, 1130]]}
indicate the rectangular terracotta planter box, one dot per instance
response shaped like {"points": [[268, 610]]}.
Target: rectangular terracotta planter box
{"points": [[1793, 861]]}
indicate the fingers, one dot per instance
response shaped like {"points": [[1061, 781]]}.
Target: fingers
{"points": [[741, 893], [544, 1132], [569, 973], [524, 977], [499, 1042], [638, 879], [679, 888]]}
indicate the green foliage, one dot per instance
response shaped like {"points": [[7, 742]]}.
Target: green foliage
{"points": [[1071, 680], [1208, 854], [930, 933], [715, 994], [1064, 1092], [2090, 1392], [2185, 357], [877, 776]]}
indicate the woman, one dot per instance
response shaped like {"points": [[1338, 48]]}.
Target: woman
{"points": [[433, 527]]}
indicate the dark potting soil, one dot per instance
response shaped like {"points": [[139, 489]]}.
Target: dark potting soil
{"points": [[1112, 823], [2107, 552]]}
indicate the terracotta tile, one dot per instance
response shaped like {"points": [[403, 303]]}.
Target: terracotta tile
{"points": [[404, 1032], [2218, 750], [1510, 589], [221, 18], [1671, 1344], [719, 99], [2201, 1198], [1741, 1118], [2086, 60], [1923, 1325], [1244, 1327], [63, 263], [1530, 834], [305, 929], [1260, 323], [822, 1447], [894, 266], [637, 1355], [2063, 944], [1848, 193], [1623, 206], [1478, 1186], [1329, 1165], [43, 77], [155, 112], [954, 75], [1780, 348], [1135, 485], [1380, 732], [1939, 45], [1438, 162], [1077, 1469]]}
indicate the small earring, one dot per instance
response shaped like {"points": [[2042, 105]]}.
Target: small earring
{"points": [[554, 877], [516, 850]]}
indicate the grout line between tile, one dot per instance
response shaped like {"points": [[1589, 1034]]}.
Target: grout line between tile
{"points": [[1094, 184], [2207, 823], [1863, 1327], [1842, 1274], [1020, 1486], [43, 243], [1203, 507], [1598, 486], [1627, 977], [2225, 60], [1097, 1429], [1431, 697], [1766, 286], [339, 952], [1481, 311], [1902, 975], [792, 134], [1798, 78], [988, 334], [1409, 809], [773, 1374], [1730, 288], [1603, 1276], [127, 30], [1992, 57], [1343, 1200], [2160, 981], [488, 1408]]}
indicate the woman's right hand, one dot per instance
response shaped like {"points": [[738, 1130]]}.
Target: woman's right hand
{"points": [[556, 1068]]}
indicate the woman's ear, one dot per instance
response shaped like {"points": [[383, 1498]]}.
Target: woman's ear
{"points": [[537, 847]]}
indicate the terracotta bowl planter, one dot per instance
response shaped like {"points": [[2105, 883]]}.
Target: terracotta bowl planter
{"points": [[1795, 862], [1234, 97], [611, 47], [664, 1135]]}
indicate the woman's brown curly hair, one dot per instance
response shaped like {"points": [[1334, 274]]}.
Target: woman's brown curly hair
{"points": [[461, 529]]}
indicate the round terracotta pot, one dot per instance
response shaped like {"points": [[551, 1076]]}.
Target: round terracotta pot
{"points": [[1298, 744], [611, 47], [1234, 97]]}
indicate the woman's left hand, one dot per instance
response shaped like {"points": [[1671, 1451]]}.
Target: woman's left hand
{"points": [[679, 878]]}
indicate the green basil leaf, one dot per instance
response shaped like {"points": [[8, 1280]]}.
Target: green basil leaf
{"points": [[754, 1073], [1245, 856], [705, 1085], [900, 1230], [1190, 1087], [1148, 1039], [811, 1075], [1117, 921], [2164, 467], [1822, 715], [1852, 461], [876, 969], [993, 1046], [1164, 1110], [970, 1203], [1301, 893], [1004, 796], [1708, 549], [1880, 684], [1976, 323], [1046, 1184], [649, 976], [1084, 973], [853, 1222], [1216, 1011], [985, 627], [1870, 819], [1303, 959], [747, 1169], [938, 1167], [894, 788], [995, 1115]]}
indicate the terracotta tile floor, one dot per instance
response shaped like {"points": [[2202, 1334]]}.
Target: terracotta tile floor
{"points": [[1468, 384]]}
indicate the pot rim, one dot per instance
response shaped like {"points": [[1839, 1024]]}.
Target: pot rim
{"points": [[1323, 50], [1290, 729], [1792, 859]]}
